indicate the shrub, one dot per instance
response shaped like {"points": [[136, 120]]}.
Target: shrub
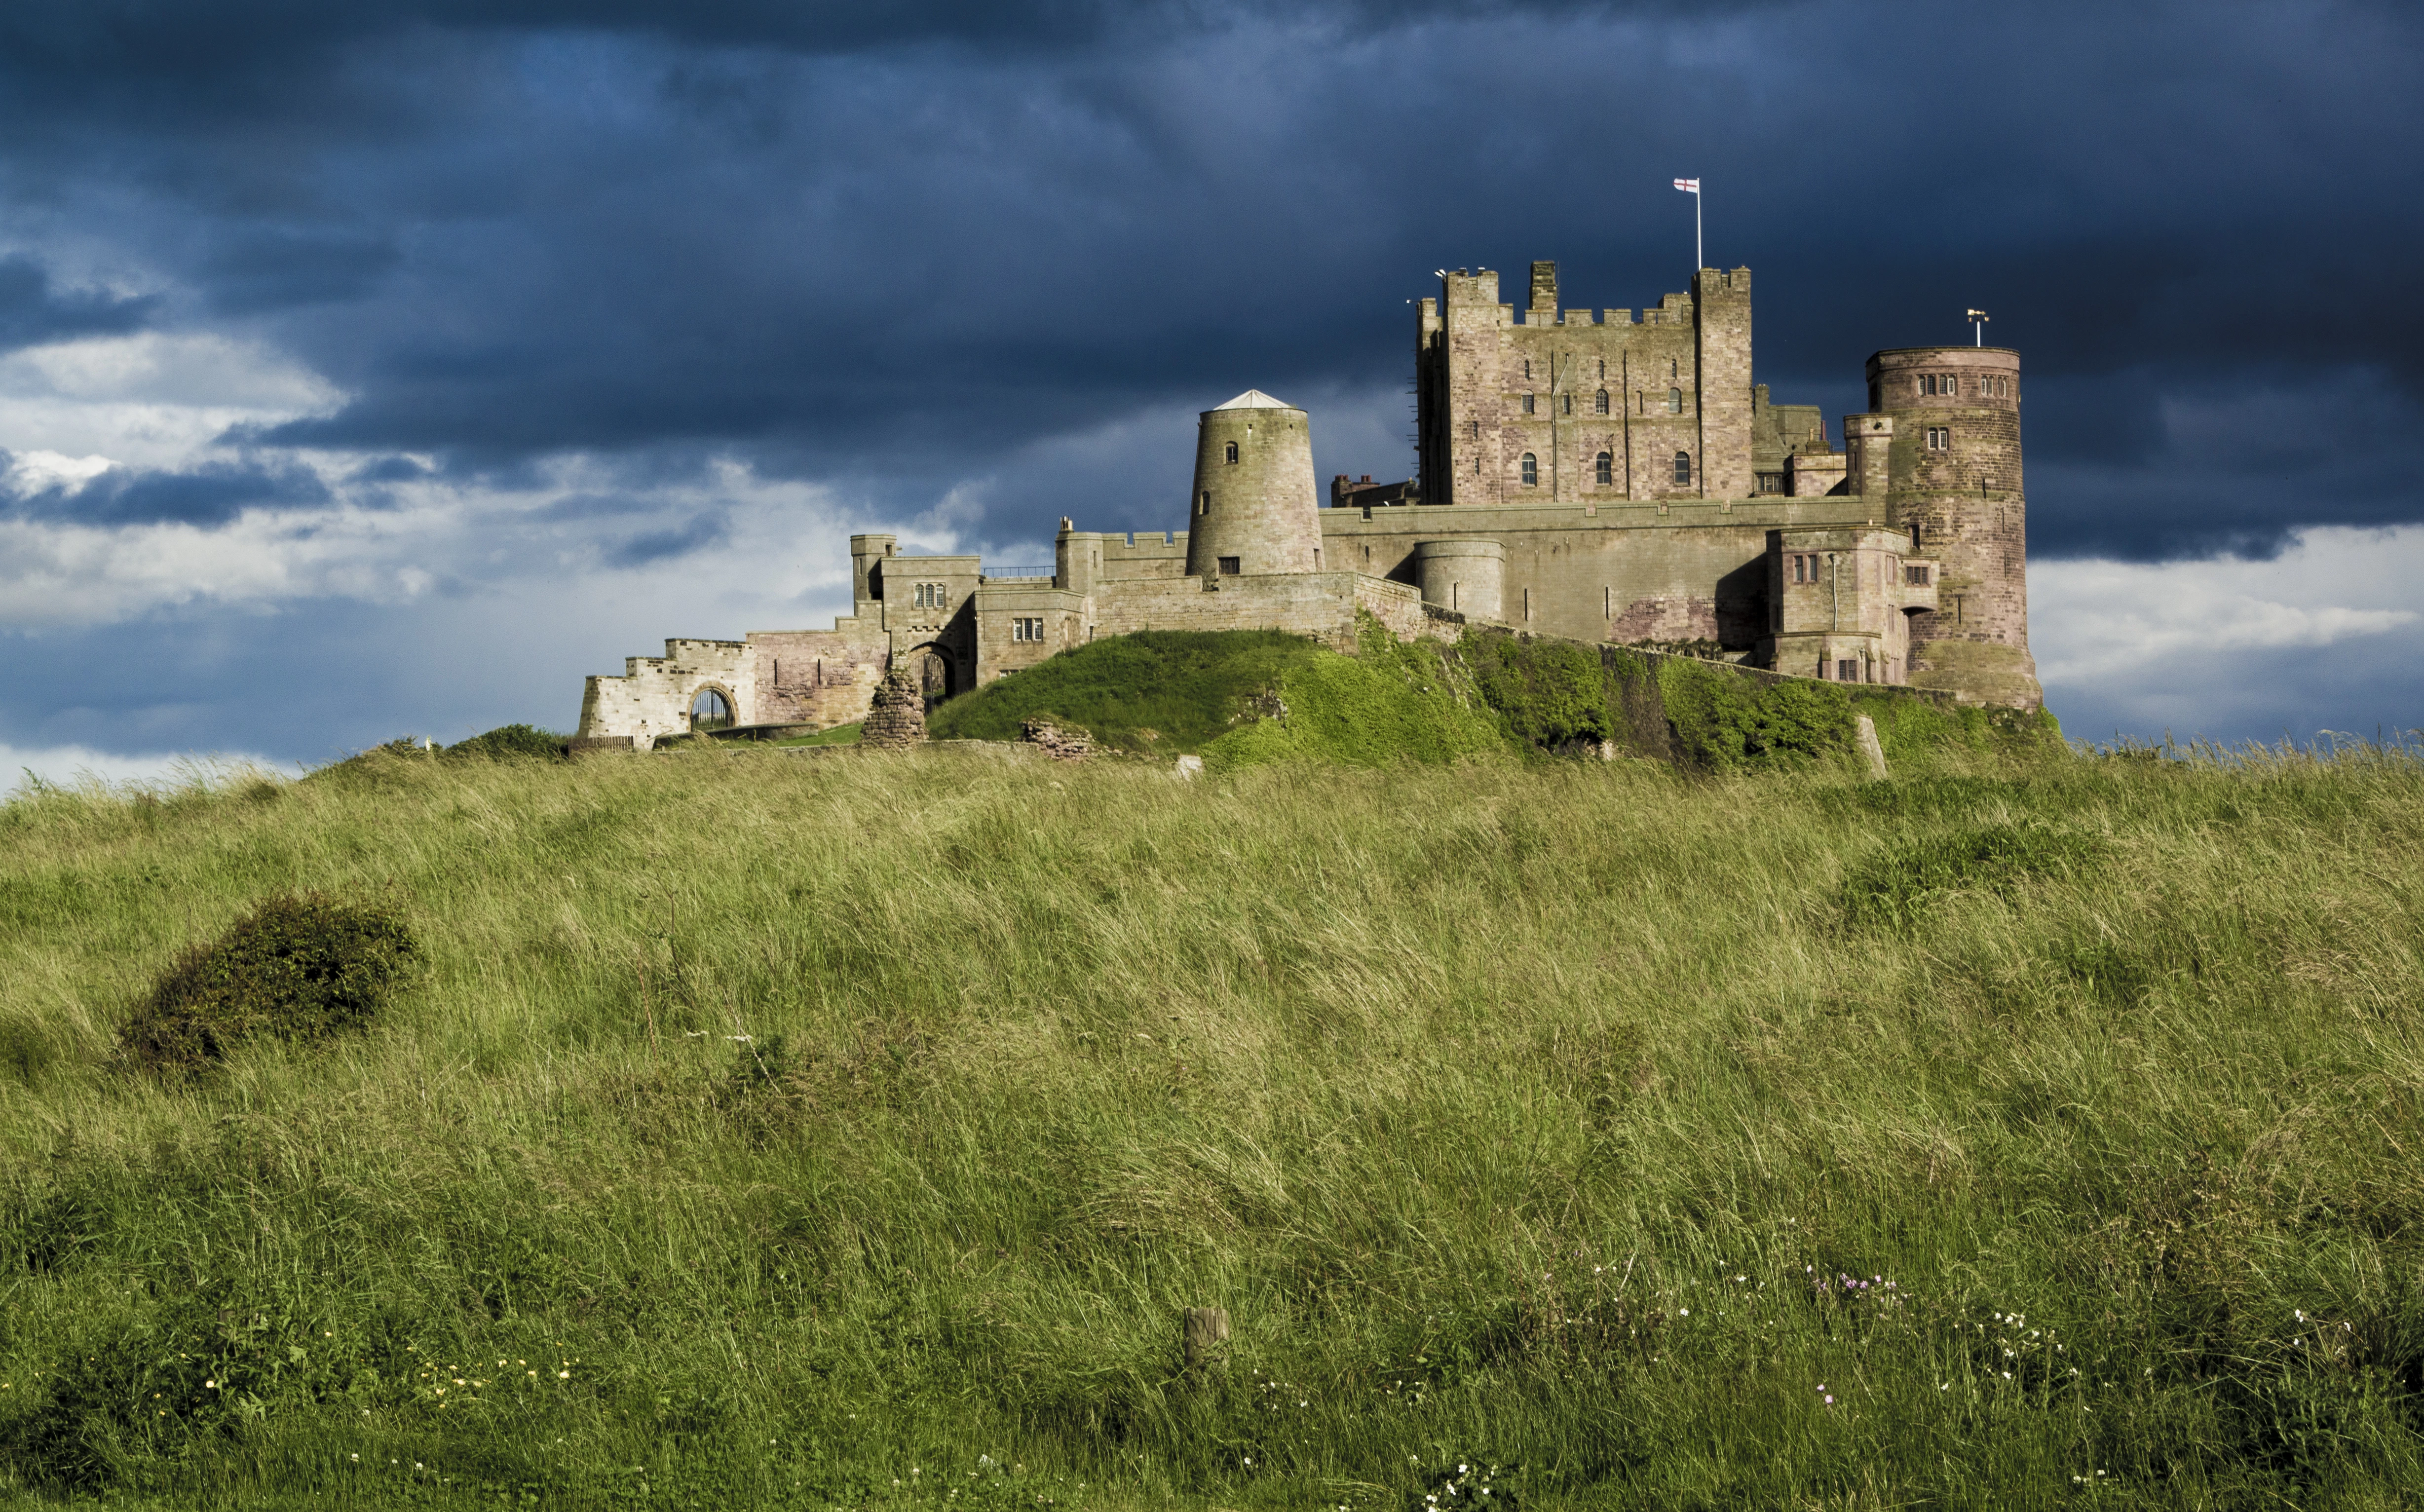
{"points": [[507, 740], [300, 968], [1551, 693], [1724, 721]]}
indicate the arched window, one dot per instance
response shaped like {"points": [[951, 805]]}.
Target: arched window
{"points": [[1682, 467], [1602, 401], [1674, 400], [1531, 471], [1233, 451], [1603, 470], [710, 711]]}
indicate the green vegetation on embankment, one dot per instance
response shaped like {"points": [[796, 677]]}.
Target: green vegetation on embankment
{"points": [[1251, 697], [754, 1131], [1239, 697]]}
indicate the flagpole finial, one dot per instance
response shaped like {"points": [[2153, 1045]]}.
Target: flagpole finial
{"points": [[1978, 319]]}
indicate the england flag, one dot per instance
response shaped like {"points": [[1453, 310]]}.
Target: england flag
{"points": [[1688, 186]]}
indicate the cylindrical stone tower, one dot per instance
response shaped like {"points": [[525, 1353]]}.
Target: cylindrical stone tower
{"points": [[1255, 510], [1468, 576], [1954, 480]]}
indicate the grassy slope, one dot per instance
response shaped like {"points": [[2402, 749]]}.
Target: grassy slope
{"points": [[1162, 692], [1521, 1112]]}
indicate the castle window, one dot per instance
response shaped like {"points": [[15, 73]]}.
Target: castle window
{"points": [[1025, 627], [1603, 373], [1476, 430], [1228, 566], [1682, 467], [1203, 505], [1527, 370], [1673, 371], [1233, 451], [1527, 400], [1848, 670], [1939, 437], [1796, 570], [1602, 396], [1603, 470], [1916, 577], [1531, 471], [1569, 402], [1674, 400], [710, 711], [1771, 483]]}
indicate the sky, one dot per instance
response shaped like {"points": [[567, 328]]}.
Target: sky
{"points": [[386, 368]]}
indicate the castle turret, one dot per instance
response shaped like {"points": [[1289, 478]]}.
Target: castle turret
{"points": [[1954, 481], [867, 554], [1255, 510]]}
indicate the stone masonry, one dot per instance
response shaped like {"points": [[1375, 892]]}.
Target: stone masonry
{"points": [[898, 719]]}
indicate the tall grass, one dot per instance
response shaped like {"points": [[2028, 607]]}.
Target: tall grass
{"points": [[768, 1131]]}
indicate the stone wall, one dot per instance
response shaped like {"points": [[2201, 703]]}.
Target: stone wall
{"points": [[1679, 570], [652, 698], [818, 678], [1677, 381], [1319, 604]]}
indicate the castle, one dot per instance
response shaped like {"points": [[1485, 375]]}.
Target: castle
{"points": [[1591, 476]]}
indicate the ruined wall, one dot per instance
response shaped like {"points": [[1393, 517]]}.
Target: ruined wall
{"points": [[652, 698], [817, 678]]}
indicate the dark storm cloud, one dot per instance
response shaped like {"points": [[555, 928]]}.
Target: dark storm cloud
{"points": [[916, 247], [696, 533], [209, 493], [34, 311]]}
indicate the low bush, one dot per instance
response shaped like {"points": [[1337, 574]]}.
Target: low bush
{"points": [[297, 968], [512, 740]]}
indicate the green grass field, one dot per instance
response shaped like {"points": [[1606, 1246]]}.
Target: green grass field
{"points": [[768, 1131]]}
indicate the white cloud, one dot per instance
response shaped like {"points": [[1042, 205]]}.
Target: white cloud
{"points": [[77, 766], [2234, 647], [154, 399]]}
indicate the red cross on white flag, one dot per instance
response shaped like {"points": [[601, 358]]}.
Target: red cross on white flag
{"points": [[1688, 186]]}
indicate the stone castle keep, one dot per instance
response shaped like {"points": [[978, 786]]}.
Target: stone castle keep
{"points": [[1592, 476]]}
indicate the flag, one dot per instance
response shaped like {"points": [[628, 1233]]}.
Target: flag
{"points": [[1688, 186]]}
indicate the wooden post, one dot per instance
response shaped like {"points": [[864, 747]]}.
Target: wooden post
{"points": [[1208, 1340]]}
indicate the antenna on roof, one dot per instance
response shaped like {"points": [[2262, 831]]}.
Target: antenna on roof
{"points": [[1977, 319]]}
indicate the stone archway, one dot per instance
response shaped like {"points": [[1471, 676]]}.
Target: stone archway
{"points": [[930, 666], [712, 708]]}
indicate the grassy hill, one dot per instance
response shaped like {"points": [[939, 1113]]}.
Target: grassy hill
{"points": [[763, 1131], [1245, 698]]}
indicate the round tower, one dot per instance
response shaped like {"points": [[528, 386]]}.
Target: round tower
{"points": [[1952, 479], [1467, 575], [1255, 510]]}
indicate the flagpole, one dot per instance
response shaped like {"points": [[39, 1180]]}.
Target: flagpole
{"points": [[1700, 254]]}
